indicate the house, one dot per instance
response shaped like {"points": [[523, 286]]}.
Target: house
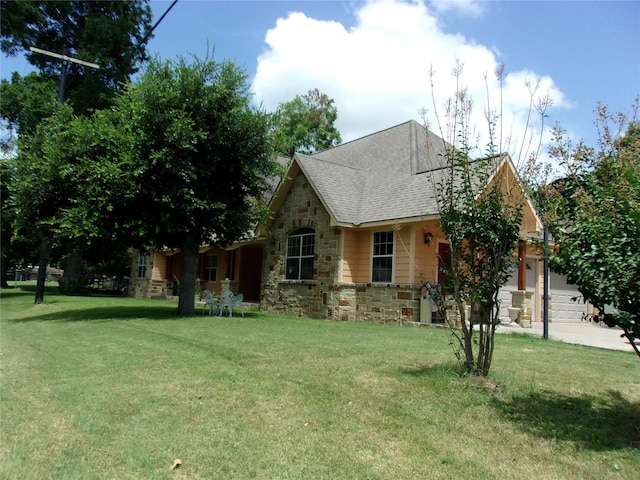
{"points": [[353, 235], [354, 232], [156, 274]]}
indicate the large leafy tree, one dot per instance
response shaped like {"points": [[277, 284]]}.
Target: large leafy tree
{"points": [[306, 124], [71, 182], [109, 33], [7, 217], [202, 157], [23, 104], [26, 101], [112, 34], [593, 214]]}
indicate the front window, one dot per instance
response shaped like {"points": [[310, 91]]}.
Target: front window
{"points": [[211, 268], [382, 258], [300, 246], [143, 260]]}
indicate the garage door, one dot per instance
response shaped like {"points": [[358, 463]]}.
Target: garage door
{"points": [[567, 305]]}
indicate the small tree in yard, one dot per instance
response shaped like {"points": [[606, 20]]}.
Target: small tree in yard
{"points": [[481, 212], [201, 157], [593, 214]]}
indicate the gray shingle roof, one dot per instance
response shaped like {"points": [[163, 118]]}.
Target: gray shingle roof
{"points": [[385, 176]]}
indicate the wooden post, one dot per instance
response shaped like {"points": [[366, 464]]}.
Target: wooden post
{"points": [[522, 265]]}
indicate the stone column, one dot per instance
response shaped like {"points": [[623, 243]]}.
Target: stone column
{"points": [[227, 284], [522, 299]]}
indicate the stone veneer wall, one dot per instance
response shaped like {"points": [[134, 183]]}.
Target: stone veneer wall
{"points": [[301, 208], [147, 288], [378, 303], [150, 286], [325, 296]]}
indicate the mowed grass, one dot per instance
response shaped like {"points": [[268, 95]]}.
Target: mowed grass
{"points": [[118, 388]]}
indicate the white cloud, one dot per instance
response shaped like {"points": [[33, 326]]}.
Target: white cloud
{"points": [[377, 70], [470, 7]]}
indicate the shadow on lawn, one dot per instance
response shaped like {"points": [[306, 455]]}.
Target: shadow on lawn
{"points": [[22, 291], [118, 312], [96, 307], [608, 422], [447, 369]]}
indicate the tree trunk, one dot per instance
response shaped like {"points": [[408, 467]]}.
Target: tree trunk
{"points": [[73, 281], [73, 267], [4, 267], [186, 300], [43, 261], [467, 332]]}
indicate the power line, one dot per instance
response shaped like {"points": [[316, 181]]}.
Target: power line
{"points": [[157, 23]]}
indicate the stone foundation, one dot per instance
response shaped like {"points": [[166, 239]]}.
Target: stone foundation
{"points": [[345, 301], [146, 288]]}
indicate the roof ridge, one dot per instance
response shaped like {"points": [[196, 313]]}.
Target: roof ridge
{"points": [[363, 137], [320, 159]]}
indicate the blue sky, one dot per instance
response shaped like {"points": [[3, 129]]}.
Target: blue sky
{"points": [[372, 57]]}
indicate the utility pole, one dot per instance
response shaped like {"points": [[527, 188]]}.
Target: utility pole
{"points": [[545, 295], [63, 71], [43, 256]]}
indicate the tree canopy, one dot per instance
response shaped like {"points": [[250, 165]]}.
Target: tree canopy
{"points": [[109, 33], [112, 34], [70, 175], [306, 124], [593, 214], [181, 160], [201, 157], [27, 100]]}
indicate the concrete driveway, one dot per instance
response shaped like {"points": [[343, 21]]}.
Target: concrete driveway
{"points": [[582, 333]]}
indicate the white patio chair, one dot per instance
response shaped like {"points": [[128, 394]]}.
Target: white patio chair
{"points": [[210, 302], [237, 302], [226, 300]]}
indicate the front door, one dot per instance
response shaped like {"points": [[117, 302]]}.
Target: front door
{"points": [[250, 271]]}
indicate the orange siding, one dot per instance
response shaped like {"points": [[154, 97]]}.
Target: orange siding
{"points": [[222, 268], [426, 256], [355, 264], [348, 267], [414, 261], [403, 256], [363, 257], [512, 189], [159, 266]]}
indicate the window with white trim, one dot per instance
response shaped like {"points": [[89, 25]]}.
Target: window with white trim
{"points": [[143, 260], [300, 254], [382, 257], [211, 268]]}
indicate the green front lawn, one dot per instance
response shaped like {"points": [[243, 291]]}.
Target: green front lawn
{"points": [[118, 388]]}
